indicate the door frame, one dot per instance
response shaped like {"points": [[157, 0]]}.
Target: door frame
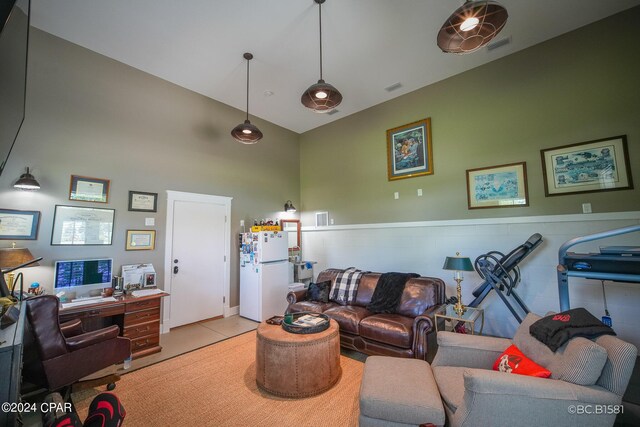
{"points": [[172, 197]]}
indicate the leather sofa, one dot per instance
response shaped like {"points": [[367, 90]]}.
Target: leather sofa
{"points": [[406, 333]]}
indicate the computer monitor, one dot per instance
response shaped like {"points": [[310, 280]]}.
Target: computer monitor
{"points": [[83, 276]]}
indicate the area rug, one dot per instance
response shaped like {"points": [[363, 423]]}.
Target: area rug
{"points": [[216, 386]]}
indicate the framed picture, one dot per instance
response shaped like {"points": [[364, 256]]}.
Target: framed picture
{"points": [[149, 280], [586, 167], [78, 225], [86, 189], [409, 151], [503, 186], [141, 240], [140, 201], [19, 225]]}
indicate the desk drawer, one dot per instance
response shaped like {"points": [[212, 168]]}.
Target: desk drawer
{"points": [[142, 343], [87, 312], [138, 317], [136, 331], [143, 304]]}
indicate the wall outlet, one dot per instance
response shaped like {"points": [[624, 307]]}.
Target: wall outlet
{"points": [[149, 222], [331, 221], [419, 192], [586, 208], [242, 223], [396, 195]]}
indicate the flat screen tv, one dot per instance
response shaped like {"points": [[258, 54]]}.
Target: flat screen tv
{"points": [[83, 275], [14, 43]]}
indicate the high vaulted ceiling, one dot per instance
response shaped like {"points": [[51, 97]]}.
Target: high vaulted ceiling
{"points": [[368, 44]]}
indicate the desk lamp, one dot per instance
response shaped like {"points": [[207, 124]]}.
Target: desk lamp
{"points": [[13, 259], [458, 264]]}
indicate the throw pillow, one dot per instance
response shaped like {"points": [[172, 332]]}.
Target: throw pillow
{"points": [[319, 292], [512, 361]]}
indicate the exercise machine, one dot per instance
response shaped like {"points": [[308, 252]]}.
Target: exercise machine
{"points": [[501, 273]]}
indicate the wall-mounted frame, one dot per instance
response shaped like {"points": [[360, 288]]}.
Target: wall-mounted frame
{"points": [[141, 201], [78, 225], [292, 227], [87, 189], [19, 225], [409, 152], [503, 186], [587, 167], [141, 240]]}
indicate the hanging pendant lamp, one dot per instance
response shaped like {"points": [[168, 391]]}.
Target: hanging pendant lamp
{"points": [[321, 97], [472, 26], [247, 133]]}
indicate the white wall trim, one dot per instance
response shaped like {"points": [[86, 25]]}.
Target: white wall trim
{"points": [[172, 197], [231, 311], [607, 216]]}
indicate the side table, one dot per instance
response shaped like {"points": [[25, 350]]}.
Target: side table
{"points": [[470, 316]]}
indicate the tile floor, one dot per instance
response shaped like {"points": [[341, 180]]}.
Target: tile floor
{"points": [[191, 337]]}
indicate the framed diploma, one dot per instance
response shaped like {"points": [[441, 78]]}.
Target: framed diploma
{"points": [[141, 201], [19, 225], [86, 189], [77, 225], [141, 240]]}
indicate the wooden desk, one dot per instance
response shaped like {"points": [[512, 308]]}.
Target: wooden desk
{"points": [[138, 318]]}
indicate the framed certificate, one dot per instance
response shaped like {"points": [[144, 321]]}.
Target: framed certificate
{"points": [[86, 189], [140, 201], [19, 225], [141, 240], [77, 225]]}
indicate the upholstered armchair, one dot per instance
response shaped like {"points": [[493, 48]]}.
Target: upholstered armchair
{"points": [[585, 373], [58, 355]]}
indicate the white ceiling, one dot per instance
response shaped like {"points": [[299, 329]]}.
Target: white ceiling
{"points": [[368, 44]]}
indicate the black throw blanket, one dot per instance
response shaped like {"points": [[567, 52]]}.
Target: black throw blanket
{"points": [[388, 292], [557, 329]]}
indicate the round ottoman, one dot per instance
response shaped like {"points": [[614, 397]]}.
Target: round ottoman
{"points": [[297, 365]]}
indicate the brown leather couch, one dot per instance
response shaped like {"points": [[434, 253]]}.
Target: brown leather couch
{"points": [[405, 333]]}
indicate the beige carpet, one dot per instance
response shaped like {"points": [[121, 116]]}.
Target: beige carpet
{"points": [[215, 386]]}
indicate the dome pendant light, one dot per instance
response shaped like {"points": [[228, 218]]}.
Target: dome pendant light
{"points": [[472, 26], [27, 182], [321, 97], [247, 133]]}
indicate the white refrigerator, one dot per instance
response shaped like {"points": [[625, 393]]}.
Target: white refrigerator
{"points": [[264, 274]]}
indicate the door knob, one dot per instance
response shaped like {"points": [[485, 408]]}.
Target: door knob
{"points": [[175, 269]]}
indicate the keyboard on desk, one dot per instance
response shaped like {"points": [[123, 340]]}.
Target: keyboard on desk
{"points": [[87, 301], [146, 292]]}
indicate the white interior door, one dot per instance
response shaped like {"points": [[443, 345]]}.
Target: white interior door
{"points": [[197, 261]]}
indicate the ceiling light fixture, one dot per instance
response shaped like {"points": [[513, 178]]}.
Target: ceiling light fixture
{"points": [[472, 26], [247, 133], [321, 97], [27, 182]]}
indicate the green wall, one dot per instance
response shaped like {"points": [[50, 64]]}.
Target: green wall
{"points": [[93, 116], [578, 87]]}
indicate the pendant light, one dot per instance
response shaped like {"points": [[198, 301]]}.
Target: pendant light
{"points": [[288, 206], [247, 133], [472, 26], [321, 97]]}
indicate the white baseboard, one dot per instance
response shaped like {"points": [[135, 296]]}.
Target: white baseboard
{"points": [[231, 311]]}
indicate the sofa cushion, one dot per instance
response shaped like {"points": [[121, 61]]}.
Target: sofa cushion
{"points": [[367, 286], [347, 316], [392, 329], [450, 381], [419, 294], [311, 306], [319, 291], [579, 361]]}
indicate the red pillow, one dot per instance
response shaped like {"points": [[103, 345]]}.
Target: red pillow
{"points": [[512, 361]]}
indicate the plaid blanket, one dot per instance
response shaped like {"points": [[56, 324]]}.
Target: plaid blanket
{"points": [[346, 286]]}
